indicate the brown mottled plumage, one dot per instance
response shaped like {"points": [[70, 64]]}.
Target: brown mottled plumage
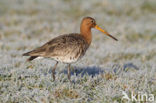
{"points": [[67, 48]]}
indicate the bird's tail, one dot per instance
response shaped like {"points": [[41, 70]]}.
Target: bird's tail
{"points": [[26, 54], [30, 58]]}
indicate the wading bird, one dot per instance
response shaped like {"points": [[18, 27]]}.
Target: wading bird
{"points": [[68, 48]]}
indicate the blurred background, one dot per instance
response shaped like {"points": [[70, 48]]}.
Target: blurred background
{"points": [[109, 66]]}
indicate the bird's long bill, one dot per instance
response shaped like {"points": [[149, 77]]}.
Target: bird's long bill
{"points": [[105, 32]]}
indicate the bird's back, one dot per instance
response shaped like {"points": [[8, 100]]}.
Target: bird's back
{"points": [[65, 48]]}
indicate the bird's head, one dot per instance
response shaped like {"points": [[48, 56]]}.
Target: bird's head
{"points": [[89, 23]]}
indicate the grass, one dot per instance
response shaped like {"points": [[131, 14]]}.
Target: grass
{"points": [[108, 67], [149, 6]]}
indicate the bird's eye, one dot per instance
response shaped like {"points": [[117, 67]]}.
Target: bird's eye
{"points": [[92, 21]]}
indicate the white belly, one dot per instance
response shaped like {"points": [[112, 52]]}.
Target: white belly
{"points": [[66, 59]]}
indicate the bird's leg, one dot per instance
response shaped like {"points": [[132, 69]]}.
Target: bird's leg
{"points": [[69, 72], [53, 71]]}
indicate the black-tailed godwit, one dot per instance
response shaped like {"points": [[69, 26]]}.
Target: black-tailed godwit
{"points": [[68, 48]]}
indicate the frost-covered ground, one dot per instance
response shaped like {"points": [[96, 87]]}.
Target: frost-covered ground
{"points": [[108, 67]]}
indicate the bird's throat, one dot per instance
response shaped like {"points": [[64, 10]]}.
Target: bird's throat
{"points": [[86, 33]]}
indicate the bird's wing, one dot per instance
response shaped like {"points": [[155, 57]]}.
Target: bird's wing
{"points": [[61, 46], [36, 52]]}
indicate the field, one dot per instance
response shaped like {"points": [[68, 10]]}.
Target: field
{"points": [[107, 69]]}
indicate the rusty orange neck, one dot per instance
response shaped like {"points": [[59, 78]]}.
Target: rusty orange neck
{"points": [[86, 33]]}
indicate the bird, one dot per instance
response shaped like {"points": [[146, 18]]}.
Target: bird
{"points": [[68, 48]]}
